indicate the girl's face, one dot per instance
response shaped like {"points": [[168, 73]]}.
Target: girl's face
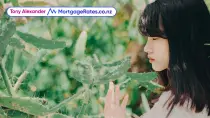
{"points": [[158, 52]]}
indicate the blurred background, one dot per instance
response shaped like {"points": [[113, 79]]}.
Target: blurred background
{"points": [[110, 38]]}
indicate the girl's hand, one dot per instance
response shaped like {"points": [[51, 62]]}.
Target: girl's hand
{"points": [[113, 108]]}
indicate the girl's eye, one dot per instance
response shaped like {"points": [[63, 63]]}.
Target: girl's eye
{"points": [[155, 38]]}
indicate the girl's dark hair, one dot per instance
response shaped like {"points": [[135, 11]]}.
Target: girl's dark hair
{"points": [[186, 26]]}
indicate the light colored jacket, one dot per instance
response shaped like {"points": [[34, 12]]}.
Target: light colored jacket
{"points": [[161, 111]]}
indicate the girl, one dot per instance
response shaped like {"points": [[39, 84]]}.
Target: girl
{"points": [[178, 33]]}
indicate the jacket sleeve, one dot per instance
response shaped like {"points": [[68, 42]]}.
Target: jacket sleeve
{"points": [[161, 111], [158, 110]]}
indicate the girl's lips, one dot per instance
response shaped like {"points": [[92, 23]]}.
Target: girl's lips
{"points": [[151, 60]]}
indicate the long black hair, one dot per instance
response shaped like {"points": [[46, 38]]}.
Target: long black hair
{"points": [[186, 26]]}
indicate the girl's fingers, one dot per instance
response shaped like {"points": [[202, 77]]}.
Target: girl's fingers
{"points": [[124, 102], [108, 100], [111, 87], [109, 97], [117, 95]]}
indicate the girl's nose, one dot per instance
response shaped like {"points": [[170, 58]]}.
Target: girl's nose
{"points": [[147, 47]]}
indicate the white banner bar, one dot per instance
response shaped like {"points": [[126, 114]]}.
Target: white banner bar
{"points": [[61, 11]]}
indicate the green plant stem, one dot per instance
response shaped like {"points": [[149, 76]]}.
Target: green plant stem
{"points": [[145, 102], [6, 80], [40, 54], [20, 80], [55, 108]]}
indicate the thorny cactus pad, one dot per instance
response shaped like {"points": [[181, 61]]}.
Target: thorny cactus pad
{"points": [[34, 106], [7, 30], [89, 71], [40, 42], [145, 80]]}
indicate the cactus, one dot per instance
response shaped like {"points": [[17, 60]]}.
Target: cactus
{"points": [[80, 45], [145, 80], [40, 42], [30, 66], [143, 77], [118, 69], [7, 31], [91, 72], [28, 105], [33, 106], [6, 80], [14, 42]]}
